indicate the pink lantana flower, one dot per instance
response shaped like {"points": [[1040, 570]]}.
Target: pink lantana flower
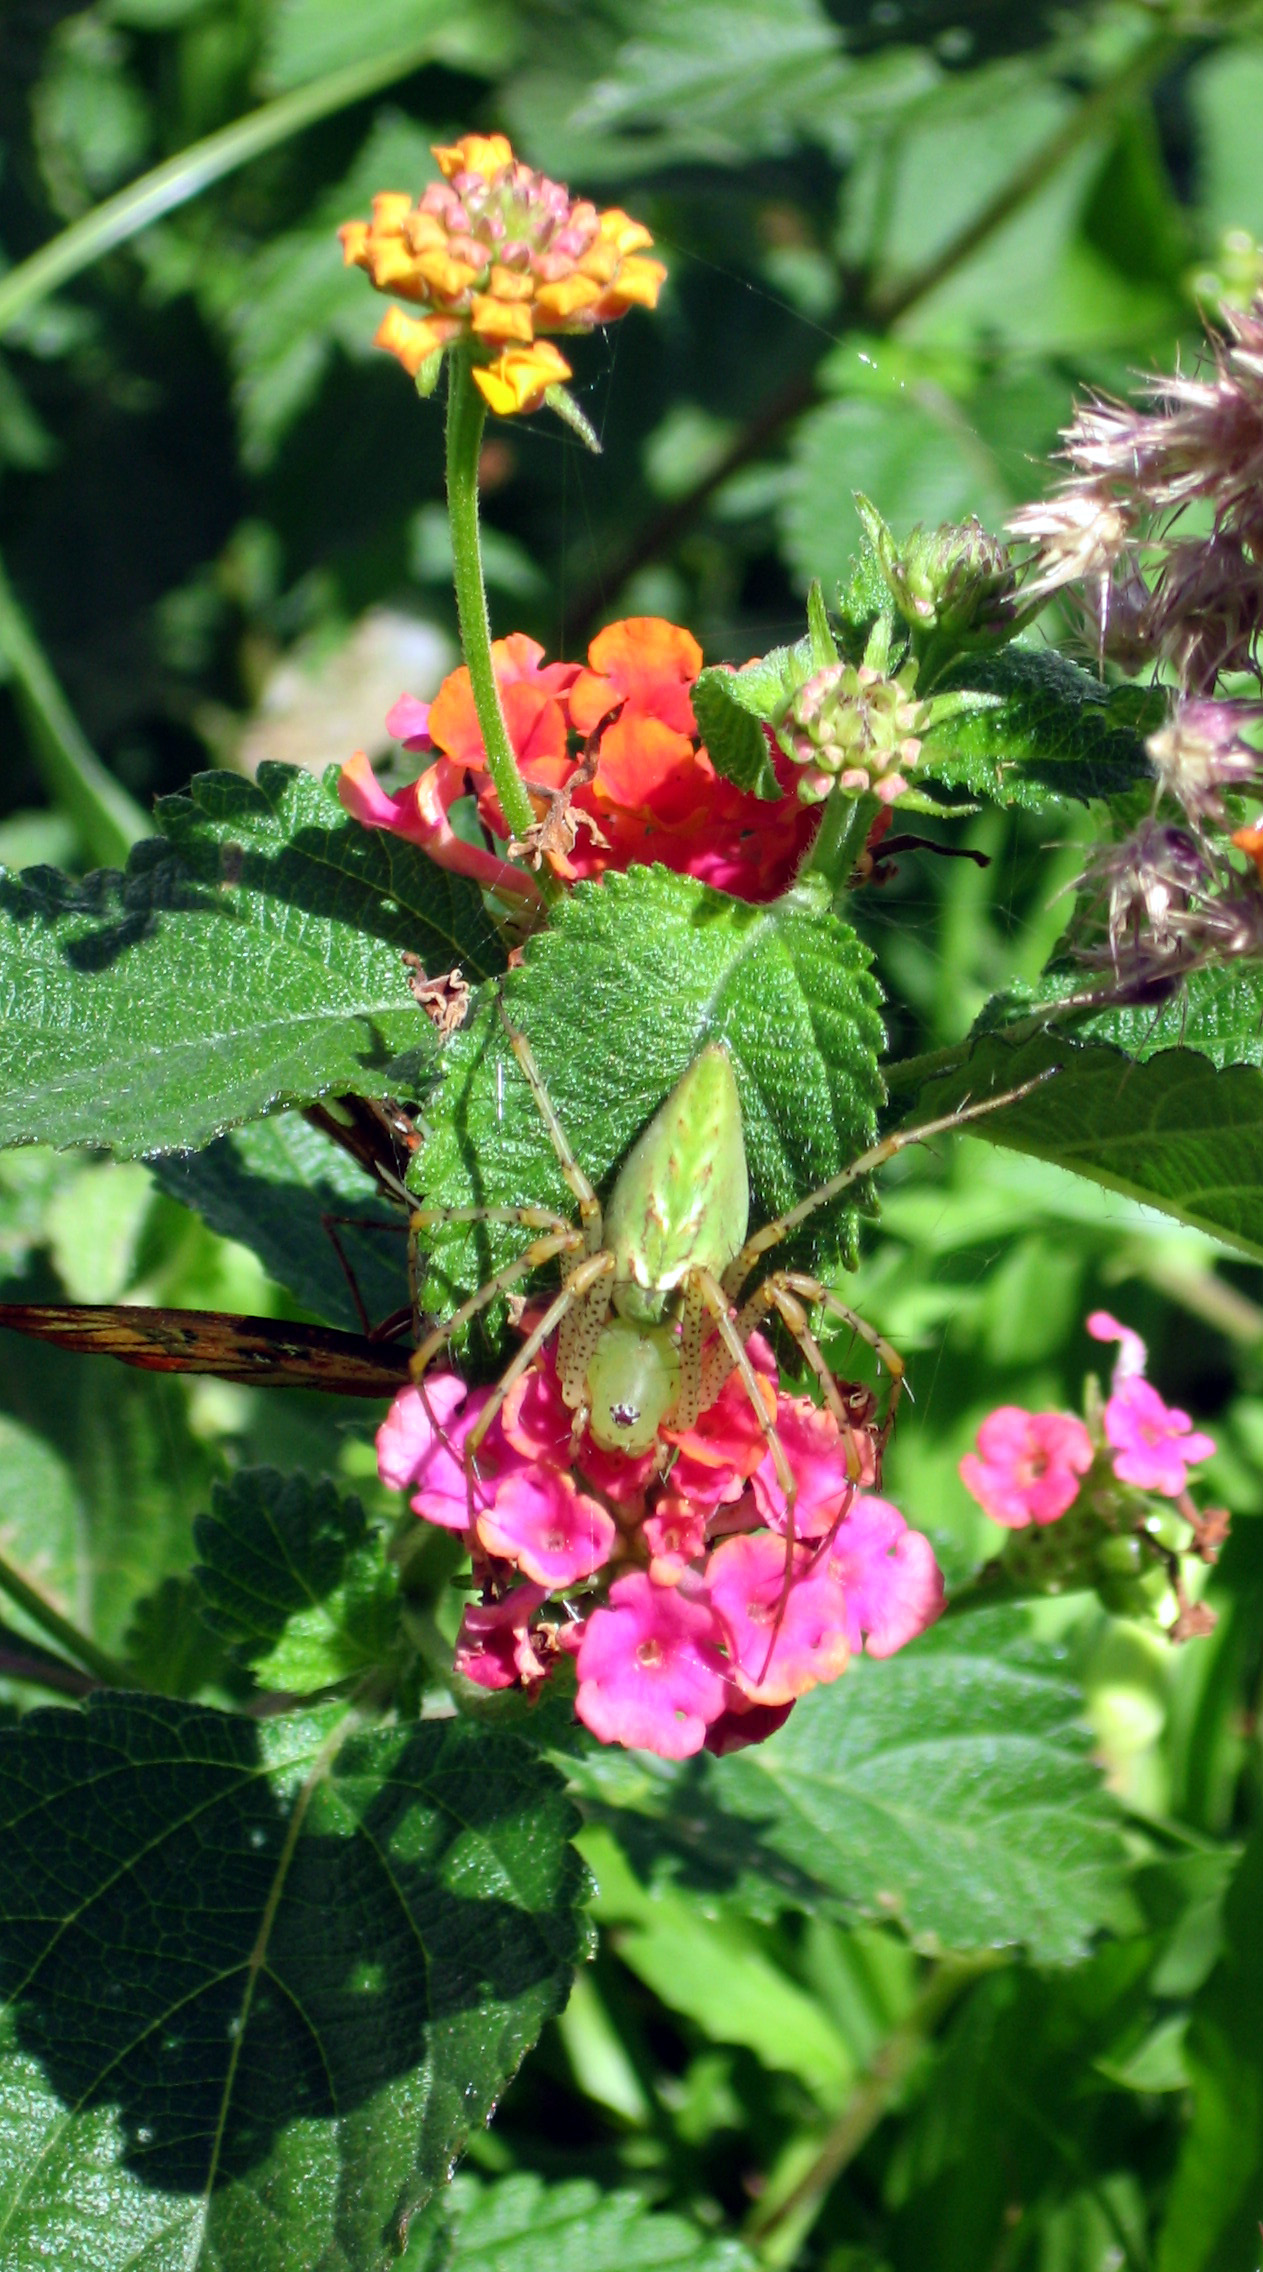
{"points": [[421, 1449], [817, 1452], [891, 1583], [1027, 1466], [650, 1671], [551, 1530], [782, 1640], [1154, 1443], [493, 1646]]}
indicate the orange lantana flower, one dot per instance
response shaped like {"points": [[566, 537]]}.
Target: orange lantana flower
{"points": [[611, 759], [499, 254]]}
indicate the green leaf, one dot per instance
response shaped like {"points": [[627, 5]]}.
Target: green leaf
{"points": [[950, 1788], [291, 1577], [317, 1954], [306, 38], [251, 958], [1212, 2221], [636, 974], [1034, 730], [521, 2223], [1218, 1011], [732, 708], [1176, 1132], [100, 1477], [273, 1186]]}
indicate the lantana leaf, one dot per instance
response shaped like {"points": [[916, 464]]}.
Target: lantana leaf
{"points": [[292, 1578], [251, 958], [519, 2223], [732, 708], [1035, 730], [317, 1954], [1175, 1132]]}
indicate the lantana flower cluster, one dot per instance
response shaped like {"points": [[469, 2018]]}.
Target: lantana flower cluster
{"points": [[611, 756], [695, 1612], [499, 255], [1118, 1475]]}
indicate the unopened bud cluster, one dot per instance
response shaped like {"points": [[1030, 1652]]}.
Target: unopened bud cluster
{"points": [[957, 579], [854, 729]]}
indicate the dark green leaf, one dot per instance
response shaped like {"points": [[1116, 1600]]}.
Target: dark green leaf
{"points": [[316, 1956], [251, 958], [617, 998], [309, 37], [292, 1578], [1218, 1011], [519, 2223], [732, 707], [1040, 731], [274, 1186], [950, 1787], [169, 1645], [1176, 1132], [1212, 2222]]}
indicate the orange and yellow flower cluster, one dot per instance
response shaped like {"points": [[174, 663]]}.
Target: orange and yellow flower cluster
{"points": [[499, 254]]}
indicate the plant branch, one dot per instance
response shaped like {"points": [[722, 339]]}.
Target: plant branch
{"points": [[60, 1629], [788, 2222], [108, 821], [878, 308], [191, 171]]}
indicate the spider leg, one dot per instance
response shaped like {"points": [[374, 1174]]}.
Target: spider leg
{"points": [[798, 1282], [539, 1251], [713, 1297], [868, 1162], [589, 1205], [574, 1286]]}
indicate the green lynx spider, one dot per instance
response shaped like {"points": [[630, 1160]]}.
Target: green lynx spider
{"points": [[652, 1317]]}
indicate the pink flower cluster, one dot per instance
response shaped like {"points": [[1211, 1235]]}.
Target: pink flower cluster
{"points": [[1029, 1466], [703, 1618]]}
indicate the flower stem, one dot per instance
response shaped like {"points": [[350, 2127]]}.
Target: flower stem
{"points": [[466, 413], [59, 1629], [840, 838]]}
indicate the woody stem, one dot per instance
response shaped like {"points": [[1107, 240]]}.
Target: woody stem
{"points": [[466, 414]]}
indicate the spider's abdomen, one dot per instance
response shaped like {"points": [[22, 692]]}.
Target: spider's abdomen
{"points": [[632, 1384], [682, 1199]]}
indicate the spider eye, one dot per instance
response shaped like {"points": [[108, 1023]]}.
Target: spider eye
{"points": [[624, 1415]]}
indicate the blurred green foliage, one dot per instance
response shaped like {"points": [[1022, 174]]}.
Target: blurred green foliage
{"points": [[899, 236]]}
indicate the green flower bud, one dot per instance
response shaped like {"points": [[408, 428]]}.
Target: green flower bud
{"points": [[853, 729]]}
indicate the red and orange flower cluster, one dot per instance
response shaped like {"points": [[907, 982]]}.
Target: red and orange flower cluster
{"points": [[498, 254], [699, 1620], [613, 762]]}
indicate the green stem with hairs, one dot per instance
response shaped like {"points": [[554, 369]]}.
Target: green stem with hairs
{"points": [[193, 170], [59, 1629], [840, 838], [466, 416]]}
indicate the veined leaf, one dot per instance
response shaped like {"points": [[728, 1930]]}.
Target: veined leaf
{"points": [[1177, 1132], [732, 707], [1036, 730], [251, 958], [520, 2223], [316, 1954], [292, 1578], [636, 974]]}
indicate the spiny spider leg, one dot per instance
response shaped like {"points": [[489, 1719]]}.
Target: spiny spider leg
{"points": [[589, 1205], [537, 1253], [575, 1285], [780, 1293], [712, 1294], [868, 1162]]}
